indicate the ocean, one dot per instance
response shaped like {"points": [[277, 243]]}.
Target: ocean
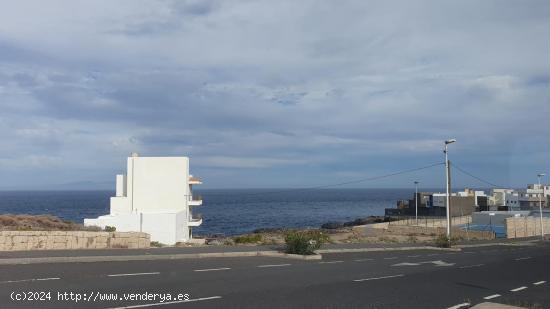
{"points": [[227, 212]]}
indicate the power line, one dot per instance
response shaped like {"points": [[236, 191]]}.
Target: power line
{"points": [[345, 182], [453, 165]]}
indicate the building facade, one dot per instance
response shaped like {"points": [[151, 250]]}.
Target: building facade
{"points": [[155, 196], [533, 195]]}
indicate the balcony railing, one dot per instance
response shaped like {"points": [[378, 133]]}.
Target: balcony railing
{"points": [[196, 198], [195, 217]]}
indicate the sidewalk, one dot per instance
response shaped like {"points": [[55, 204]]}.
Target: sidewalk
{"points": [[170, 253]]}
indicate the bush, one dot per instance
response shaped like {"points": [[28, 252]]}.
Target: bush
{"points": [[442, 241], [156, 244], [248, 239], [110, 229], [304, 242]]}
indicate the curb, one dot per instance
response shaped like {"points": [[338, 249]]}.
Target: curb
{"points": [[386, 249], [515, 244], [122, 258], [291, 256]]}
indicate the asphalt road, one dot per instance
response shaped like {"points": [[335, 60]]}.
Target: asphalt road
{"points": [[400, 279]]}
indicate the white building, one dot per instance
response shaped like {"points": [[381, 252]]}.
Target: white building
{"points": [[504, 197], [155, 196], [530, 197]]}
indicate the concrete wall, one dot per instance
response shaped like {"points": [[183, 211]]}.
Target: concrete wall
{"points": [[525, 227], [59, 240], [164, 227], [498, 217]]}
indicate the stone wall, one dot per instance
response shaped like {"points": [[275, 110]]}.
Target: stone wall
{"points": [[525, 226], [59, 240]]}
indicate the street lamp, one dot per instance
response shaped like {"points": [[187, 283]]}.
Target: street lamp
{"points": [[416, 199], [540, 207], [448, 184]]}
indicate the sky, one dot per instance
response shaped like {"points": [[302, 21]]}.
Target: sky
{"points": [[274, 93]]}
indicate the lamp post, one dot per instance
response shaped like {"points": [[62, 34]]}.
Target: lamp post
{"points": [[416, 200], [540, 206], [448, 184]]}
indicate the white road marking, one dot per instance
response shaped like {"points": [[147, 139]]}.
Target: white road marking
{"points": [[168, 302], [468, 252], [273, 265], [212, 269], [441, 263], [433, 254], [406, 264], [459, 306], [28, 280], [331, 262], [518, 289], [390, 258], [523, 258], [436, 263], [491, 296], [378, 278], [134, 274], [363, 260], [539, 282], [413, 256], [471, 266]]}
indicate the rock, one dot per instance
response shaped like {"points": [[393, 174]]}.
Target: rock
{"points": [[332, 225], [269, 230]]}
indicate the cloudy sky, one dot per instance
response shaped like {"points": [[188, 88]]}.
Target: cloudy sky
{"points": [[274, 93]]}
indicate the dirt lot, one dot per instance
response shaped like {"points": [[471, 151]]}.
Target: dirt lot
{"points": [[39, 223]]}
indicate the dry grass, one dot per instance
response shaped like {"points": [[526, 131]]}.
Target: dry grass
{"points": [[40, 223]]}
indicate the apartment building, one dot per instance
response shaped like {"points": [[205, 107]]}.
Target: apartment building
{"points": [[155, 196]]}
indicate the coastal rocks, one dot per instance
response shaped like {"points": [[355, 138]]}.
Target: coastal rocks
{"points": [[332, 225], [272, 230], [360, 221]]}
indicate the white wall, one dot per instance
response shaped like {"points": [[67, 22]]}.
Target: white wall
{"points": [[120, 205], [166, 228], [439, 200], [159, 183], [120, 185]]}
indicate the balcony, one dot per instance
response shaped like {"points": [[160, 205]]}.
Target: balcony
{"points": [[194, 220], [195, 200], [194, 180]]}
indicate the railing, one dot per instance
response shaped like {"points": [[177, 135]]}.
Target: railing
{"points": [[195, 198], [195, 217]]}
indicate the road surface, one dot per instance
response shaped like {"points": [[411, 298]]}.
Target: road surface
{"points": [[516, 275]]}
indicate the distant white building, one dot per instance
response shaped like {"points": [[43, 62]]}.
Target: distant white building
{"points": [[504, 197], [530, 197], [155, 196]]}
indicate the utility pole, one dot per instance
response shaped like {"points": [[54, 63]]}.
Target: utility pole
{"points": [[416, 199], [540, 206], [448, 185]]}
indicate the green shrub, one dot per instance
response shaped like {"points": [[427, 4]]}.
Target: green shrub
{"points": [[304, 242], [110, 229], [248, 239], [156, 244], [442, 241]]}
